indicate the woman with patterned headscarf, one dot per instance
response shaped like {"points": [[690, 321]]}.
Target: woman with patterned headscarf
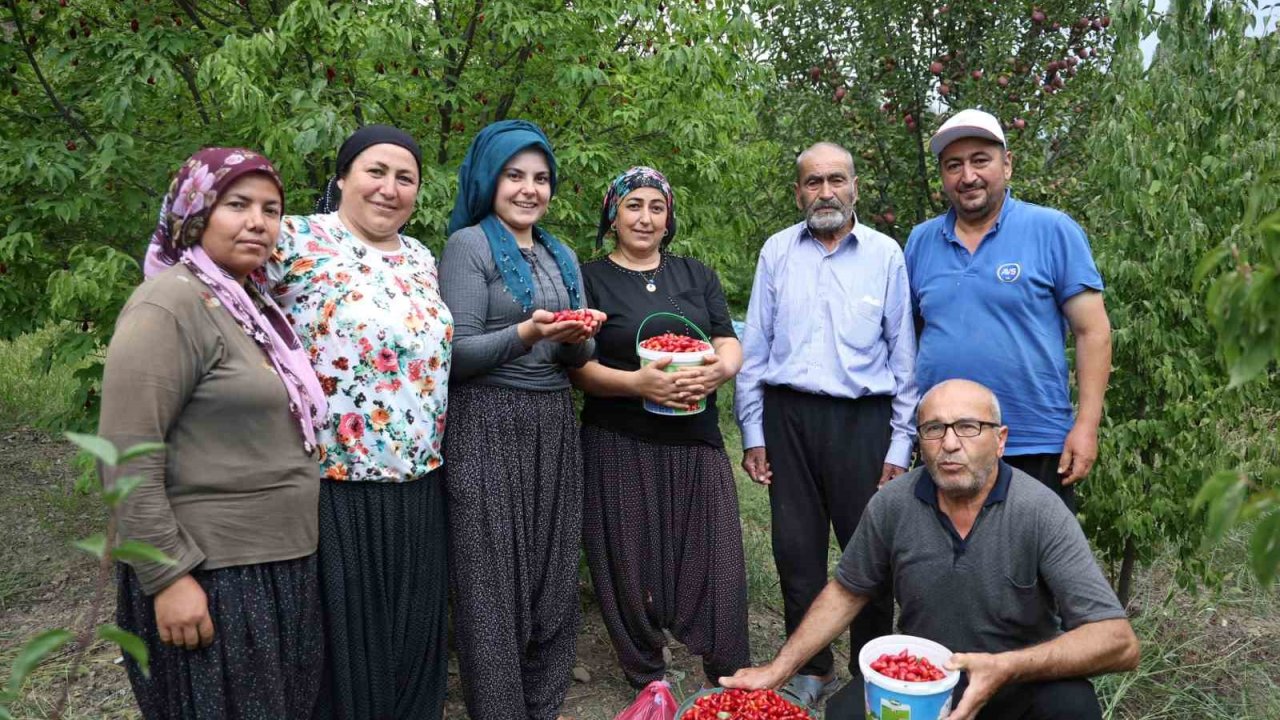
{"points": [[661, 510], [515, 472], [204, 363]]}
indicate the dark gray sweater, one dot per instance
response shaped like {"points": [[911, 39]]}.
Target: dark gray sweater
{"points": [[486, 347]]}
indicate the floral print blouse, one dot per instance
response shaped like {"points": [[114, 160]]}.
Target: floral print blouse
{"points": [[380, 339]]}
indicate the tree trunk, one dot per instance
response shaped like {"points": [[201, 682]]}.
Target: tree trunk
{"points": [[1126, 572]]}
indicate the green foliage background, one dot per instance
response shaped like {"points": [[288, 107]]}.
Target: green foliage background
{"points": [[100, 100], [1181, 146]]}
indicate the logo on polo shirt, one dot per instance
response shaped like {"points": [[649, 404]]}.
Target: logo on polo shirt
{"points": [[1009, 272]]}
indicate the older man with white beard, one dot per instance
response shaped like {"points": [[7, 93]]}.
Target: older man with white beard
{"points": [[826, 392]]}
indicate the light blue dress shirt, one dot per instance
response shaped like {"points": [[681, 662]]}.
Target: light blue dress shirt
{"points": [[834, 323]]}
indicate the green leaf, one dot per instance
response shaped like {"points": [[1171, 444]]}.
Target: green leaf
{"points": [[139, 450], [121, 489], [1250, 364], [100, 448], [36, 649], [1224, 508], [1264, 549], [129, 643], [1209, 263], [95, 545], [132, 551], [1214, 487]]}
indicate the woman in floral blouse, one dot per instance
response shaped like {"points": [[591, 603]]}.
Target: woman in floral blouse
{"points": [[366, 302]]}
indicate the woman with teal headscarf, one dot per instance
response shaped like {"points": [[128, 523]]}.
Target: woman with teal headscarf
{"points": [[514, 478]]}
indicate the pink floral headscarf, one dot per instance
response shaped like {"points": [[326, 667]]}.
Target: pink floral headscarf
{"points": [[184, 215], [192, 195]]}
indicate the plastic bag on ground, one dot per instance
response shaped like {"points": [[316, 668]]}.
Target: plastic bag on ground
{"points": [[655, 702]]}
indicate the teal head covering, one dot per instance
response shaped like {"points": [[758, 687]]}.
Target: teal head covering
{"points": [[478, 180]]}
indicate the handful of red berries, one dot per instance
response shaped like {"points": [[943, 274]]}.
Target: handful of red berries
{"points": [[673, 343], [904, 666], [744, 705], [583, 316]]}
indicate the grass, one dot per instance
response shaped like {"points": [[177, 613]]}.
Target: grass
{"points": [[29, 393], [1207, 655]]}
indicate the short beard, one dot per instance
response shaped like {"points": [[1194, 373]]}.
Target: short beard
{"points": [[966, 491], [981, 212], [827, 223]]}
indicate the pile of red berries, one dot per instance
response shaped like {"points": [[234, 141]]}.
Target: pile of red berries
{"points": [[583, 316], [579, 315], [744, 705], [904, 666], [673, 343]]}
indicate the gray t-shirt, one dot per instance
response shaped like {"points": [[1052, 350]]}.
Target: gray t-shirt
{"points": [[486, 346], [1024, 572]]}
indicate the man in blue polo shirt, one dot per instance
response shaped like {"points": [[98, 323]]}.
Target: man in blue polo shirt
{"points": [[995, 284]]}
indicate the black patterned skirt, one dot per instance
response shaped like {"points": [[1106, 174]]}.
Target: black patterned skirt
{"points": [[384, 580], [267, 651], [513, 472], [664, 544]]}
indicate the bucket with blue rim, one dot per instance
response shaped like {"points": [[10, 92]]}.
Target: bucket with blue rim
{"points": [[891, 699]]}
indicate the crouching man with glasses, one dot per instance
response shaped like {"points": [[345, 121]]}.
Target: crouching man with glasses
{"points": [[983, 559]]}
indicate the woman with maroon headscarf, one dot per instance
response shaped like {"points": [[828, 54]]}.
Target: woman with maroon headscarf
{"points": [[204, 363]]}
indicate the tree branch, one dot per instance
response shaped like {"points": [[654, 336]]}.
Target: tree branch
{"points": [[190, 10], [63, 110], [184, 69], [248, 13], [452, 76], [89, 622], [504, 104], [622, 39]]}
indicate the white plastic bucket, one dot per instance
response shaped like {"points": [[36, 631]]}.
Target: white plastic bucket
{"points": [[679, 361], [890, 699]]}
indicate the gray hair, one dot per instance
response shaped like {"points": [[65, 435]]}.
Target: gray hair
{"points": [[824, 145], [991, 396]]}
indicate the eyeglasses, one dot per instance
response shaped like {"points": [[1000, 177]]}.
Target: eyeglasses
{"points": [[963, 428]]}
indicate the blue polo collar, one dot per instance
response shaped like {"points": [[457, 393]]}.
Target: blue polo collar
{"points": [[927, 490], [949, 225]]}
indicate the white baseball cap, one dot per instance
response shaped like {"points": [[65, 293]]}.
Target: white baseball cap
{"points": [[966, 123]]}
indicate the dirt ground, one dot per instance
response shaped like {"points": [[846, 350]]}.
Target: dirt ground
{"points": [[46, 583]]}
